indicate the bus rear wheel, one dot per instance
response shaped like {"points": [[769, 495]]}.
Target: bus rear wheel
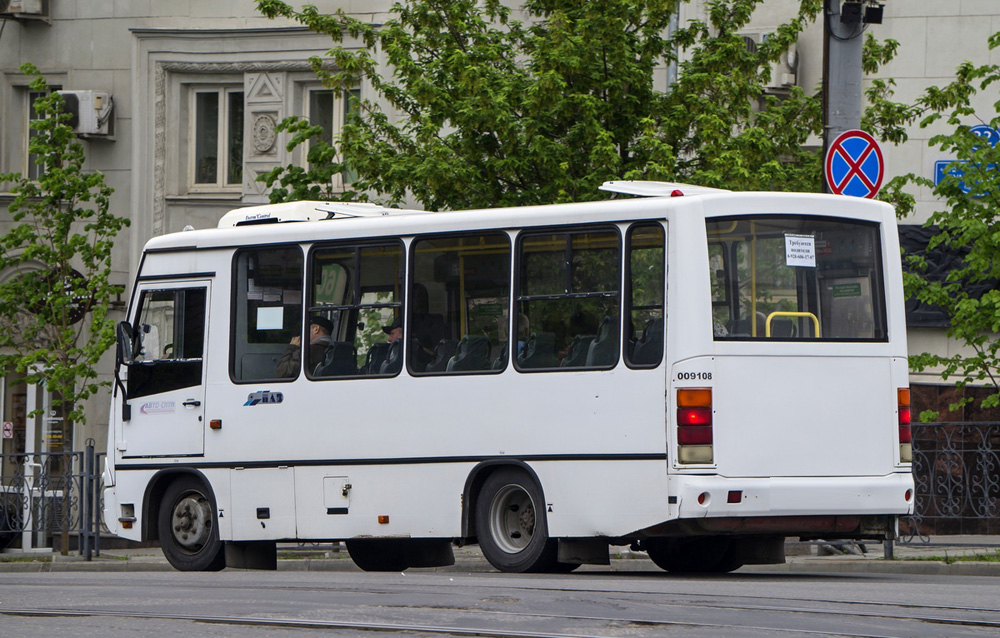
{"points": [[189, 533], [697, 555], [511, 526]]}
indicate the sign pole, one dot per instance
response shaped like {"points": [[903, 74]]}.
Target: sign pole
{"points": [[842, 46]]}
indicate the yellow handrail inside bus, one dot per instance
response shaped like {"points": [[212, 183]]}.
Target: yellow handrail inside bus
{"points": [[780, 313]]}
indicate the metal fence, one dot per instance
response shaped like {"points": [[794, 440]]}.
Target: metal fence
{"points": [[48, 497], [956, 468]]}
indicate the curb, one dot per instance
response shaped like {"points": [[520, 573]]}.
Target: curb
{"points": [[806, 566]]}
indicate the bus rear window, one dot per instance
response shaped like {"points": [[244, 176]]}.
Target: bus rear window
{"points": [[796, 278]]}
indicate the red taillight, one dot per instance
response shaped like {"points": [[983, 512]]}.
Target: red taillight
{"points": [[694, 416], [905, 434], [694, 425]]}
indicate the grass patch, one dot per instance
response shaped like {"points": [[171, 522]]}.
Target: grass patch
{"points": [[989, 557], [25, 558]]}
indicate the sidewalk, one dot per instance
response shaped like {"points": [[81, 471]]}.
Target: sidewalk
{"points": [[911, 558]]}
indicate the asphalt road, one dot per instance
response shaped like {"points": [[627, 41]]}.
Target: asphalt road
{"points": [[242, 604]]}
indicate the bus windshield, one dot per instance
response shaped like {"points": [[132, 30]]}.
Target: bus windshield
{"points": [[801, 278]]}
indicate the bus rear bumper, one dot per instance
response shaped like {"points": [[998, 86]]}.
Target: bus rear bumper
{"points": [[724, 497]]}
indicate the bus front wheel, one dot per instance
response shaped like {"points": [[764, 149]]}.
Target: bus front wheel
{"points": [[189, 534], [511, 526]]}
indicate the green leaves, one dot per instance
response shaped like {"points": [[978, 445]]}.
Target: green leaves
{"points": [[489, 111], [59, 239], [968, 225]]}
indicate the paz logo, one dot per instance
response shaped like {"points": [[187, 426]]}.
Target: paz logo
{"points": [[264, 396]]}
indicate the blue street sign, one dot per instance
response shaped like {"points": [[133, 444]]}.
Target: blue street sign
{"points": [[854, 165], [989, 135]]}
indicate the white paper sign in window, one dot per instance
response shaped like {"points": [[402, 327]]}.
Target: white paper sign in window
{"points": [[800, 250], [270, 318]]}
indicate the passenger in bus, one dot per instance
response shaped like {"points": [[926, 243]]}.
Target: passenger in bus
{"points": [[394, 330], [319, 338], [393, 362]]}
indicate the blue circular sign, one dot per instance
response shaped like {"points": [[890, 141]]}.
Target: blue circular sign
{"points": [[854, 165], [989, 134]]}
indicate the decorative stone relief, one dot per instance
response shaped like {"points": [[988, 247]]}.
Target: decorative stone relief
{"points": [[263, 132]]}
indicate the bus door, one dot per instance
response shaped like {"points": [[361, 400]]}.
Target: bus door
{"points": [[165, 379]]}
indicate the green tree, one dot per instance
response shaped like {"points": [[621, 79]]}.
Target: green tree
{"points": [[58, 238], [491, 111], [968, 225]]}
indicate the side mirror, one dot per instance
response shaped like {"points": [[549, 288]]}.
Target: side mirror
{"points": [[126, 340]]}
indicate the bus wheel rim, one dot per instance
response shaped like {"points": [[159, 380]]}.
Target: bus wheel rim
{"points": [[512, 519], [191, 523]]}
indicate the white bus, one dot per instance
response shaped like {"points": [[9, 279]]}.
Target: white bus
{"points": [[698, 374]]}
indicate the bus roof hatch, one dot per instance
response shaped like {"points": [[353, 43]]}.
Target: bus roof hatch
{"points": [[305, 212], [657, 189]]}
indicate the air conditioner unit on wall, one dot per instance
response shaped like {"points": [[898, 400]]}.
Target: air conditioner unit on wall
{"points": [[784, 73], [25, 9], [92, 112]]}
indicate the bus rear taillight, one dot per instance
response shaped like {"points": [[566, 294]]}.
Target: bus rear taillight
{"points": [[694, 425], [905, 435]]}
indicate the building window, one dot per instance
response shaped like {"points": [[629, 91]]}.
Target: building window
{"points": [[33, 170], [218, 138], [325, 110]]}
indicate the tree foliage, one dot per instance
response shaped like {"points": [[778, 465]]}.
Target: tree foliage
{"points": [[467, 107], [968, 224], [58, 238]]}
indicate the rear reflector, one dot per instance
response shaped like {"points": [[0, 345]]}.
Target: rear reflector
{"points": [[905, 435], [694, 435], [734, 496]]}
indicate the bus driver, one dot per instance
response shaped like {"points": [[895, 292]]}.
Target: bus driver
{"points": [[319, 338]]}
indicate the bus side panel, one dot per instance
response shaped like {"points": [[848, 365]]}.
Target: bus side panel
{"points": [[419, 501], [606, 498], [804, 416]]}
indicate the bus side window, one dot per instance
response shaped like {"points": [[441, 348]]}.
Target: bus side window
{"points": [[170, 341], [267, 310], [569, 302], [460, 302], [358, 288], [645, 297]]}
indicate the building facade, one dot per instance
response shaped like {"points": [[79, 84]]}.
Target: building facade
{"points": [[196, 89]]}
